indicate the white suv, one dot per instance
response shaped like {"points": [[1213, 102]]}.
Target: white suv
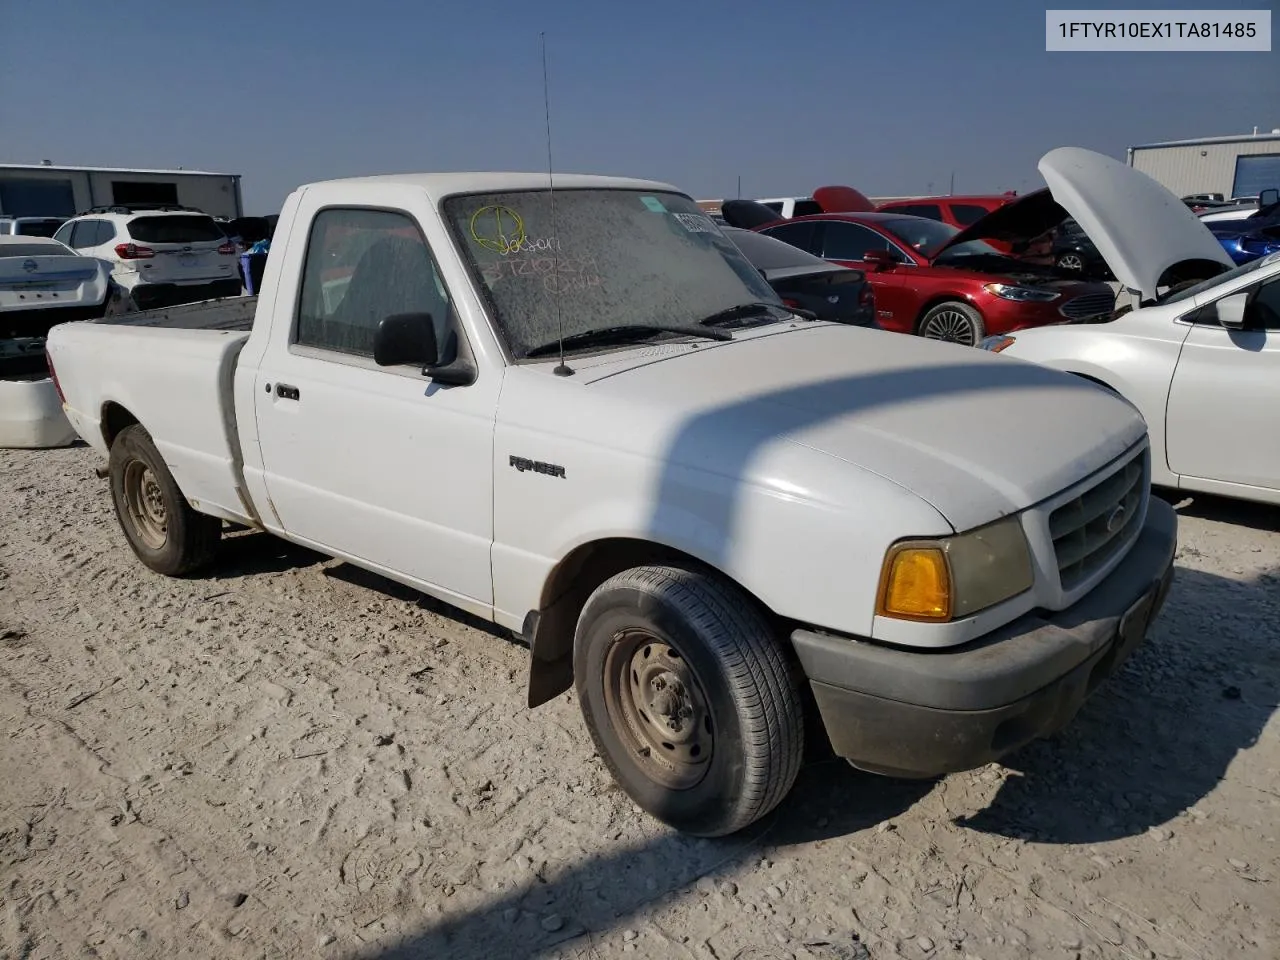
{"points": [[159, 257]]}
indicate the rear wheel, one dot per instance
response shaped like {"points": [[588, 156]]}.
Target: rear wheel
{"points": [[1071, 261], [688, 698], [954, 322], [166, 534]]}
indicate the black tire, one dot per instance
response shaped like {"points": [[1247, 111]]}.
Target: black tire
{"points": [[166, 534], [730, 685], [953, 322]]}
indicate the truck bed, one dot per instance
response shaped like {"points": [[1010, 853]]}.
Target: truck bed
{"points": [[171, 370]]}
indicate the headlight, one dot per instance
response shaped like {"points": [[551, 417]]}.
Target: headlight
{"points": [[955, 577], [1022, 294], [996, 343]]}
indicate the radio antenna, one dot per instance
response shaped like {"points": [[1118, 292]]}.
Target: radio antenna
{"points": [[561, 370]]}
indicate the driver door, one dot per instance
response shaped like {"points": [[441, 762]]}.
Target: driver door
{"points": [[1224, 402], [377, 464]]}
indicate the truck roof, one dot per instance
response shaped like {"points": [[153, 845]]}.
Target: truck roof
{"points": [[441, 185]]}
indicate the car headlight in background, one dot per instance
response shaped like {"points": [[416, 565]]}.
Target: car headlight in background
{"points": [[996, 343], [951, 578], [1022, 294]]}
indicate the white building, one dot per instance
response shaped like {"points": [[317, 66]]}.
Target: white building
{"points": [[44, 190], [1238, 166]]}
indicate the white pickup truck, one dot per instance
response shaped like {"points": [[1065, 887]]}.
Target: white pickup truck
{"points": [[581, 414]]}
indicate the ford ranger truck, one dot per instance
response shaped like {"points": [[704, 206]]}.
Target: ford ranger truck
{"points": [[576, 410]]}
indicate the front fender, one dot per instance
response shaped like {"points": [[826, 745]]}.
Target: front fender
{"points": [[802, 531]]}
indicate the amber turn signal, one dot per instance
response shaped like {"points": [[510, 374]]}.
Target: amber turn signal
{"points": [[916, 584]]}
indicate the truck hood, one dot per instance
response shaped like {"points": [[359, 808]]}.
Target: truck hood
{"points": [[1139, 227], [974, 437]]}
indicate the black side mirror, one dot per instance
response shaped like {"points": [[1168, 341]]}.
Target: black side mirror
{"points": [[411, 338], [406, 338], [1268, 197]]}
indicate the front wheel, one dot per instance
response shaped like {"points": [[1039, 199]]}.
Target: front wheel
{"points": [[953, 322], [688, 698], [1071, 261], [165, 533]]}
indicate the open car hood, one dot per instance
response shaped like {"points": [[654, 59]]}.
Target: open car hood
{"points": [[747, 214], [842, 200], [1139, 227]]}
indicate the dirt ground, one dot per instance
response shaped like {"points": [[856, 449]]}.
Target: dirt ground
{"points": [[288, 757]]}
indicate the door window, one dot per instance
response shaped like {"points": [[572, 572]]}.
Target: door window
{"points": [[361, 267], [967, 213], [1266, 305], [797, 234], [85, 234], [851, 241]]}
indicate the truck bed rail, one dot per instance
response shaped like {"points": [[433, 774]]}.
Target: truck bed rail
{"points": [[229, 313]]}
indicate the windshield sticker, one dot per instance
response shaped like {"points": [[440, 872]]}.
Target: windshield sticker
{"points": [[499, 229], [696, 223], [654, 204]]}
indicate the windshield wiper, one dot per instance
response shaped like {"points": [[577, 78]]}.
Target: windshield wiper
{"points": [[758, 308], [627, 333]]}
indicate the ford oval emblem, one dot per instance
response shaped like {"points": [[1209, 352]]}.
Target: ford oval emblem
{"points": [[30, 266], [1115, 518], [834, 298]]}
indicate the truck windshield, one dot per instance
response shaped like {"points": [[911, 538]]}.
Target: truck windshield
{"points": [[602, 259]]}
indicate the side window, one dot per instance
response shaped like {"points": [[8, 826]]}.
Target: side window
{"points": [[775, 206], [967, 213], [63, 233], [84, 234], [797, 234], [806, 208], [106, 233], [930, 211], [361, 267], [849, 241], [1266, 305]]}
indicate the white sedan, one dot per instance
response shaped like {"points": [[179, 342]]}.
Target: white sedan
{"points": [[42, 283], [1203, 367]]}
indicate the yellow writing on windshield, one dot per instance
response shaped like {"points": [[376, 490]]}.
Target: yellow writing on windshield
{"points": [[496, 228]]}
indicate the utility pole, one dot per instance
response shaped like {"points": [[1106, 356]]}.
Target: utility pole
{"points": [[952, 191], [739, 186]]}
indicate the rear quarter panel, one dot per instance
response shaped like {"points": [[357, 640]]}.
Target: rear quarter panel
{"points": [[176, 383]]}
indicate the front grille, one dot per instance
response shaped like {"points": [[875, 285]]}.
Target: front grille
{"points": [[1091, 529], [1088, 305]]}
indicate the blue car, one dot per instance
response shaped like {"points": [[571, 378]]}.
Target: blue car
{"points": [[1256, 236]]}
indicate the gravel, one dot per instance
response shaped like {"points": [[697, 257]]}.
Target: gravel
{"points": [[286, 751]]}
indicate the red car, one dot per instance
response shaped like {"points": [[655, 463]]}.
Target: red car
{"points": [[960, 212], [934, 280]]}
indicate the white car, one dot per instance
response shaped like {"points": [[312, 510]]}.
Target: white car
{"points": [[159, 257], [42, 283], [1203, 367], [30, 226], [585, 416]]}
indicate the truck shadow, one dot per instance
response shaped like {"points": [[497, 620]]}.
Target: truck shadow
{"points": [[601, 892], [1157, 737], [1239, 513], [248, 553]]}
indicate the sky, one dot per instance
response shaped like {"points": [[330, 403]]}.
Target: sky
{"points": [[893, 98]]}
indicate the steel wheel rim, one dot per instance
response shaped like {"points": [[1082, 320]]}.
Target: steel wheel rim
{"points": [[659, 710], [144, 500], [951, 326], [1070, 261]]}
